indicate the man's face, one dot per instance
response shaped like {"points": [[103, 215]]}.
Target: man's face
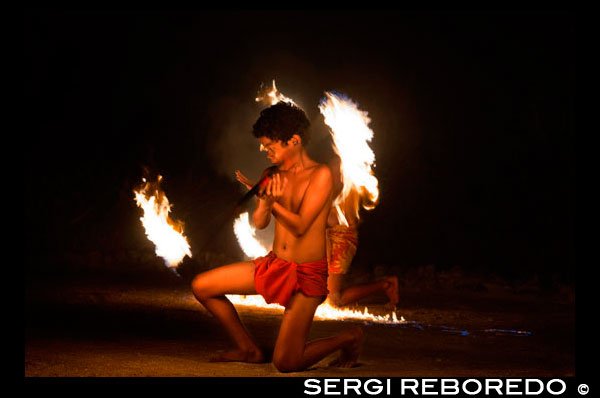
{"points": [[276, 151]]}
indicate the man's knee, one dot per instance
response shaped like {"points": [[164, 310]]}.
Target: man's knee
{"points": [[200, 288], [286, 363]]}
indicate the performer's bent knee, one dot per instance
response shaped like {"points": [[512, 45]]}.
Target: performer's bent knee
{"points": [[200, 288], [285, 363]]}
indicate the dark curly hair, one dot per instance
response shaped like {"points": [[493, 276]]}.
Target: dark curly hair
{"points": [[281, 121]]}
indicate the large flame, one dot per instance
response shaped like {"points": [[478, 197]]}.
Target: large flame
{"points": [[272, 96], [349, 128], [165, 233], [246, 237], [325, 311]]}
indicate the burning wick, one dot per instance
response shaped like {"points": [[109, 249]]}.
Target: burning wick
{"points": [[165, 233]]}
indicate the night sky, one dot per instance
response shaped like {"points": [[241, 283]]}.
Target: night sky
{"points": [[473, 115]]}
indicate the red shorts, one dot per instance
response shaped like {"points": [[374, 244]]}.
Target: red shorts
{"points": [[277, 280]]}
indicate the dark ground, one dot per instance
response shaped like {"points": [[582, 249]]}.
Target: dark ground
{"points": [[100, 326]]}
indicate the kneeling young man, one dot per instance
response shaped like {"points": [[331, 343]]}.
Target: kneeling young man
{"points": [[294, 274]]}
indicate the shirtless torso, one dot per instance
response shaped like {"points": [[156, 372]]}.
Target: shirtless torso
{"points": [[309, 246]]}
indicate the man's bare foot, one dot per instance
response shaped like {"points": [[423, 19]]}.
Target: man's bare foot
{"points": [[349, 354], [391, 290], [250, 356]]}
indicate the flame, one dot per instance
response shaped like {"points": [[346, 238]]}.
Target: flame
{"points": [[165, 233], [349, 128], [246, 237], [325, 311], [273, 96]]}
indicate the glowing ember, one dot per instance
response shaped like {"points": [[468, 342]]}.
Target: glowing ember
{"points": [[324, 312], [349, 128], [165, 233], [246, 237], [272, 96]]}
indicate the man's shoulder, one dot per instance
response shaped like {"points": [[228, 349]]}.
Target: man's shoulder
{"points": [[321, 172], [322, 168]]}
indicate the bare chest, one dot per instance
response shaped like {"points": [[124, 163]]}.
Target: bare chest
{"points": [[296, 189]]}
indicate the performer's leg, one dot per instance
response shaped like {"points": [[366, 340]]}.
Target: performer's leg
{"points": [[388, 285], [293, 353], [339, 259], [210, 288], [334, 285]]}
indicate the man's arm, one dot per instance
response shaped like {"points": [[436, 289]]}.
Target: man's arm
{"points": [[261, 217], [262, 214], [318, 194]]}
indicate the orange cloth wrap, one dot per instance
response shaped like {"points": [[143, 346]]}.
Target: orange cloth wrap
{"points": [[277, 280], [342, 242]]}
